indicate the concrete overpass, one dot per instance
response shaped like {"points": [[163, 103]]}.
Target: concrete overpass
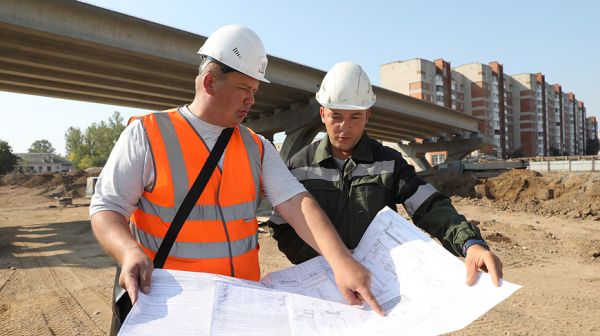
{"points": [[73, 50]]}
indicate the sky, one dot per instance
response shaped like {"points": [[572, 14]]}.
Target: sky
{"points": [[560, 39]]}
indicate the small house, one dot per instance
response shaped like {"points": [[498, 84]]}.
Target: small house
{"points": [[42, 163]]}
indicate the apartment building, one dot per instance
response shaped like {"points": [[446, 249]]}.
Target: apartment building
{"points": [[490, 92], [425, 80], [530, 135], [591, 128], [460, 93], [580, 143], [443, 79], [569, 122], [415, 78], [559, 143], [520, 114], [552, 132], [502, 87]]}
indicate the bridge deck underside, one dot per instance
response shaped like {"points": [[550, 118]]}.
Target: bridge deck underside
{"points": [[33, 61]]}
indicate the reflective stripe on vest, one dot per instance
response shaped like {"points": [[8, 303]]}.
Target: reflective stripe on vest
{"points": [[223, 221], [193, 250], [244, 211]]}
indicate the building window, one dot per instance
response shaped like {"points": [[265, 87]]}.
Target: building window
{"points": [[439, 80], [49, 169], [436, 159]]}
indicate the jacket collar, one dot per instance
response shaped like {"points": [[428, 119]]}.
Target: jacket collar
{"points": [[362, 151]]}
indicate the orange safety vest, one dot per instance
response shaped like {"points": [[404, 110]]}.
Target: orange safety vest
{"points": [[221, 233]]}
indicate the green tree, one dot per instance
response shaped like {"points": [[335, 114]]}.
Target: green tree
{"points": [[75, 147], [41, 146], [92, 147], [8, 161]]}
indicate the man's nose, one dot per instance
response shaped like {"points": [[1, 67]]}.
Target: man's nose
{"points": [[250, 98], [344, 125]]}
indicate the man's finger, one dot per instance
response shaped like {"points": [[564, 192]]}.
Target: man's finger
{"points": [[499, 263], [351, 298], [146, 278], [471, 274], [131, 286], [369, 298], [493, 271]]}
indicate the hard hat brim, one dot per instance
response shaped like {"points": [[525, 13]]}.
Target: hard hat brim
{"points": [[346, 106]]}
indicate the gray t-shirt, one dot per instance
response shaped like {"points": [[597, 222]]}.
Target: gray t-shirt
{"points": [[130, 169]]}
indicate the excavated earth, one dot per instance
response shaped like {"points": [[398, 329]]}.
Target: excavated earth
{"points": [[56, 280]]}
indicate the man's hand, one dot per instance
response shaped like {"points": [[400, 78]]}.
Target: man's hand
{"points": [[136, 272], [478, 257], [354, 282], [312, 225], [112, 230]]}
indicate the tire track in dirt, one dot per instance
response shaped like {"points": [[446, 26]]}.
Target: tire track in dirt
{"points": [[68, 307], [59, 286]]}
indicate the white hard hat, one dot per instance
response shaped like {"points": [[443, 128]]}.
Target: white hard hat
{"points": [[346, 87], [238, 48]]}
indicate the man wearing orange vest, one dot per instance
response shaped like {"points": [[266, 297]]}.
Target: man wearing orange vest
{"points": [[158, 156]]}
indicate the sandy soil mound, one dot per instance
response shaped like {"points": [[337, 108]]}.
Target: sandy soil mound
{"points": [[568, 194], [454, 184], [15, 178], [71, 184]]}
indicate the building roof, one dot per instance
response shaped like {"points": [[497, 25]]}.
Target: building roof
{"points": [[37, 158]]}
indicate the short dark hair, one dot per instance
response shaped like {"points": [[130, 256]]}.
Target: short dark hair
{"points": [[206, 60]]}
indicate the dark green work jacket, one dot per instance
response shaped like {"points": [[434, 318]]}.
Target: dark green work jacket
{"points": [[373, 177]]}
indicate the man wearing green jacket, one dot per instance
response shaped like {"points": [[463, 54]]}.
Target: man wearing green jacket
{"points": [[353, 176]]}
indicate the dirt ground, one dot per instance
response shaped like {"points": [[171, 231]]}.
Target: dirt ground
{"points": [[56, 280]]}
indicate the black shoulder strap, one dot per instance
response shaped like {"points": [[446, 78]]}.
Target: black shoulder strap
{"points": [[192, 196]]}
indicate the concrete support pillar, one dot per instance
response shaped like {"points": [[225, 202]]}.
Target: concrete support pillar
{"points": [[418, 157], [457, 148], [301, 123], [296, 139]]}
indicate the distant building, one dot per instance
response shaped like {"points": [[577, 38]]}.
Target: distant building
{"points": [[415, 78], [559, 117], [592, 128], [532, 136], [478, 90], [42, 163], [490, 102], [580, 117], [569, 103], [517, 115], [552, 131]]}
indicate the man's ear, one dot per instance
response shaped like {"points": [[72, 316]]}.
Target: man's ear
{"points": [[208, 83], [322, 113], [368, 115]]}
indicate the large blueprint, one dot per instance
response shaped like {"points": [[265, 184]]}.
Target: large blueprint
{"points": [[419, 284]]}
